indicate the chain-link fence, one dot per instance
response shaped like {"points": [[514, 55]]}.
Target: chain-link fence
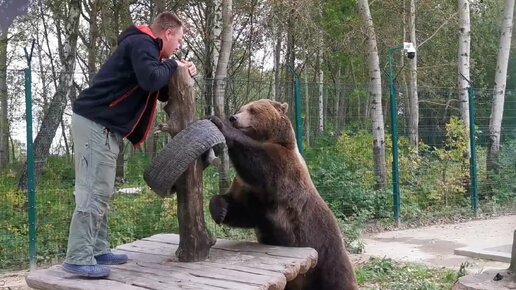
{"points": [[337, 145]]}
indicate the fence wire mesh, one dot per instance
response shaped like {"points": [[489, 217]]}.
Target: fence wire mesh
{"points": [[337, 146]]}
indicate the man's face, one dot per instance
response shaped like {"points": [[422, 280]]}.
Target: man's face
{"points": [[172, 41]]}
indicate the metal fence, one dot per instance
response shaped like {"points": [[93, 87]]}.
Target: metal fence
{"points": [[337, 145]]}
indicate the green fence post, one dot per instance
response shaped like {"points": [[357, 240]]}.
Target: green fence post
{"points": [[396, 199], [473, 156], [31, 192]]}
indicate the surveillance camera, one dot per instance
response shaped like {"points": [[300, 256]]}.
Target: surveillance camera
{"points": [[410, 49]]}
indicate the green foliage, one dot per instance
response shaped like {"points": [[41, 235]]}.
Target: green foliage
{"points": [[431, 178], [387, 274], [351, 228], [341, 183], [450, 165], [504, 178], [13, 228], [58, 172]]}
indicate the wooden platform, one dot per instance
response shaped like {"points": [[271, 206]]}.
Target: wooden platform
{"points": [[152, 265]]}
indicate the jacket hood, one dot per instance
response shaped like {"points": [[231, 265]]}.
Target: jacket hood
{"points": [[140, 30]]}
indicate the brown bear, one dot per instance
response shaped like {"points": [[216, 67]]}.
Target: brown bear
{"points": [[274, 194]]}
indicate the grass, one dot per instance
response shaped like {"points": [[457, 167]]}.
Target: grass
{"points": [[382, 273]]}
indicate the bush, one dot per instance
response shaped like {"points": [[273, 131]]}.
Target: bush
{"points": [[341, 185], [505, 177]]}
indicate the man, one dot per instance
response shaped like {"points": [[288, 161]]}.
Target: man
{"points": [[119, 103]]}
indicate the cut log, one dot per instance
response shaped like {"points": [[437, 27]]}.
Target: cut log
{"points": [[195, 241]]}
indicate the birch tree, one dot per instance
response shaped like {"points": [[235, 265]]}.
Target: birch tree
{"points": [[320, 83], [277, 33], [218, 22], [93, 8], [375, 93], [495, 121], [4, 120], [412, 85], [464, 60], [67, 40], [220, 82]]}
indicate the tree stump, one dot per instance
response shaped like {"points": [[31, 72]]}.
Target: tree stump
{"points": [[195, 240]]}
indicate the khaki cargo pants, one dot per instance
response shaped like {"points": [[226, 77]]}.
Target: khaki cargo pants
{"points": [[96, 151]]}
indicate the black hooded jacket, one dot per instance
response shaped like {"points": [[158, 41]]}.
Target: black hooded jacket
{"points": [[123, 94]]}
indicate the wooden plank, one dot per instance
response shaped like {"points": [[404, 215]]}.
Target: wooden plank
{"points": [[56, 278], [218, 271], [243, 246], [254, 264], [290, 266], [247, 267], [155, 276], [232, 265]]}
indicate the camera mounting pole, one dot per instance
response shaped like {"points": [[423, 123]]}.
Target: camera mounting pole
{"points": [[409, 48]]}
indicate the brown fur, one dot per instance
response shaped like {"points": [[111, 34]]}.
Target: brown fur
{"points": [[274, 194]]}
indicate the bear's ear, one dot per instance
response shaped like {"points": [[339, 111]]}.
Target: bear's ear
{"points": [[284, 108]]}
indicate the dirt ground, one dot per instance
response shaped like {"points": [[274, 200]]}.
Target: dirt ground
{"points": [[13, 281], [433, 246]]}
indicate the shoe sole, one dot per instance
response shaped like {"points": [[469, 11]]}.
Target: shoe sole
{"points": [[82, 274], [111, 263]]}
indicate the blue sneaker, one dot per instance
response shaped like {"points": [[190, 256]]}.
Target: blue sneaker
{"points": [[111, 258], [92, 271]]}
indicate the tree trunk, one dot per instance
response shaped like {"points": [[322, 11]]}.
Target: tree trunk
{"points": [[57, 106], [337, 105], [220, 85], [290, 57], [375, 92], [320, 81], [4, 120], [495, 122], [110, 23], [92, 40], [413, 96], [307, 101], [125, 14], [195, 241], [277, 59], [160, 7], [464, 57], [218, 23]]}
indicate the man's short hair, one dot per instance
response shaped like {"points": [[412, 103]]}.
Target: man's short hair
{"points": [[166, 20]]}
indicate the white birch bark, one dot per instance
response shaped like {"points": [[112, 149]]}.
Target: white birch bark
{"points": [[412, 92], [375, 92], [464, 61], [495, 121], [220, 83]]}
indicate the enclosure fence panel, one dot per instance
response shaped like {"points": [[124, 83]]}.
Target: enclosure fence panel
{"points": [[337, 146]]}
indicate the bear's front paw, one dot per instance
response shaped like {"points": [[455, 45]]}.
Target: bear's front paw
{"points": [[217, 121], [218, 208]]}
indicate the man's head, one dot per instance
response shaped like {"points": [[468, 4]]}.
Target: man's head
{"points": [[169, 28]]}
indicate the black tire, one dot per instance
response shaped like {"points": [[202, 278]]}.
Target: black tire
{"points": [[186, 147]]}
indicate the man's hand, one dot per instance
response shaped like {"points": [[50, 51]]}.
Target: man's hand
{"points": [[190, 65]]}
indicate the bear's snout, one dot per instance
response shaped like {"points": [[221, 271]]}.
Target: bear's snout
{"points": [[233, 119]]}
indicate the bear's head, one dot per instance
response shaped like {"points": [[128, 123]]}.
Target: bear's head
{"points": [[265, 120]]}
